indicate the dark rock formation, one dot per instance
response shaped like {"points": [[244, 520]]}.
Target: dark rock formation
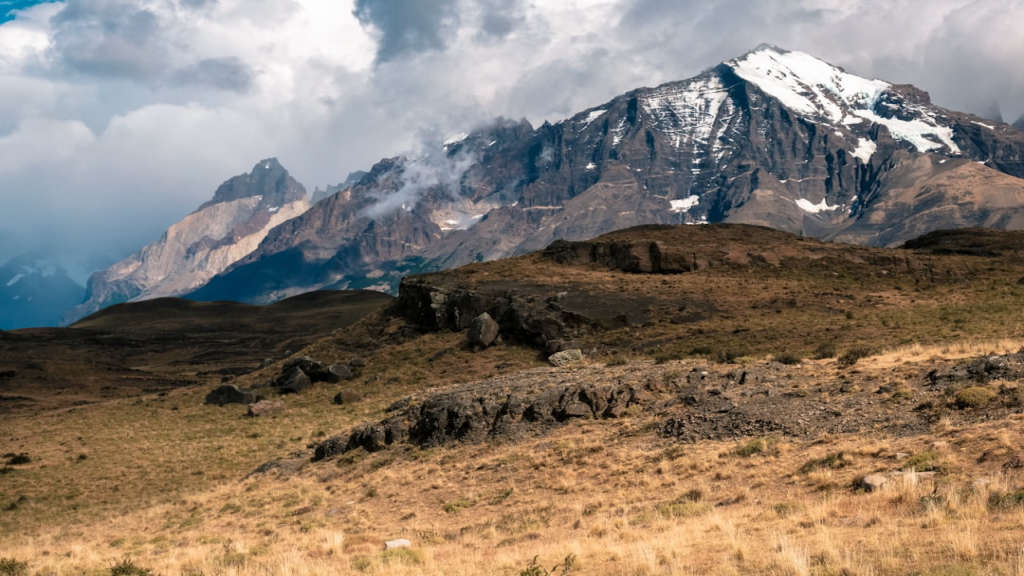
{"points": [[293, 381], [474, 415], [229, 394]]}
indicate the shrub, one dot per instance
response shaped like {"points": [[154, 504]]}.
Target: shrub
{"points": [[688, 505], [927, 461], [973, 397], [833, 461], [563, 568], [788, 358], [128, 568], [12, 567], [825, 350], [851, 356], [456, 506], [404, 556], [996, 500], [17, 459], [755, 447]]}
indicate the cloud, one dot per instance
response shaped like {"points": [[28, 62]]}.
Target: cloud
{"points": [[408, 26]]}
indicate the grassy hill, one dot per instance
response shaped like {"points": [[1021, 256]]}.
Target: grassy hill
{"points": [[794, 407]]}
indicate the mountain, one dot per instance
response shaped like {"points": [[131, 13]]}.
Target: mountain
{"points": [[1019, 124], [774, 137], [34, 291], [219, 233]]}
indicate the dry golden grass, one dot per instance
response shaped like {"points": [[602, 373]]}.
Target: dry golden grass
{"points": [[610, 496]]}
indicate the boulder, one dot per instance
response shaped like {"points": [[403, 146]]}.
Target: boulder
{"points": [[293, 381], [873, 482], [340, 372], [566, 358], [346, 397], [315, 370], [397, 544], [229, 394], [265, 408], [483, 331]]}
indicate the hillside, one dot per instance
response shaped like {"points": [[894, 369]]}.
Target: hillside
{"points": [[160, 345], [747, 401]]}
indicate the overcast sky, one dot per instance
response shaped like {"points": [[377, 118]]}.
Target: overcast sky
{"points": [[117, 117]]}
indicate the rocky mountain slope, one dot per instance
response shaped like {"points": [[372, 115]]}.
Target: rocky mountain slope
{"points": [[34, 292], [204, 243], [773, 137]]}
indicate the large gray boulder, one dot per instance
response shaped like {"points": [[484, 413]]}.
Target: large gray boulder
{"points": [[483, 331]]}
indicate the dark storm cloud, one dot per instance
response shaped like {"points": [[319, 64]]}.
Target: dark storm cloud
{"points": [[109, 39], [408, 26], [119, 39]]}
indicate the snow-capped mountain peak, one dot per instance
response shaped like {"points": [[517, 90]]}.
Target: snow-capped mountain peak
{"points": [[823, 92]]}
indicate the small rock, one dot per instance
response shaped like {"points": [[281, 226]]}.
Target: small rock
{"points": [[293, 381], [346, 397], [340, 372], [229, 394], [397, 544], [566, 358], [265, 408], [483, 331], [357, 363], [873, 482]]}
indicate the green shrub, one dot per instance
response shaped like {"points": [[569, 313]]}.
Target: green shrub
{"points": [[563, 568], [127, 567], [755, 447], [927, 461], [974, 397], [788, 358], [851, 356], [996, 500], [833, 461], [825, 350]]}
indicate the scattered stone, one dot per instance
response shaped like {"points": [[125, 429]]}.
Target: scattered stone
{"points": [[316, 371], [265, 408], [293, 381], [873, 482], [346, 397], [229, 394], [357, 363], [566, 358], [483, 331], [340, 372], [397, 544]]}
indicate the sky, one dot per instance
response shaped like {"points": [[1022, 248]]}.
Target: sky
{"points": [[118, 117]]}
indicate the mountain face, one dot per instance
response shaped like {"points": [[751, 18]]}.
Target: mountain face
{"points": [[774, 137], [206, 242], [35, 292]]}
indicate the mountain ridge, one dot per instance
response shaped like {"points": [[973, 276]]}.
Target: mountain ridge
{"points": [[772, 137]]}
